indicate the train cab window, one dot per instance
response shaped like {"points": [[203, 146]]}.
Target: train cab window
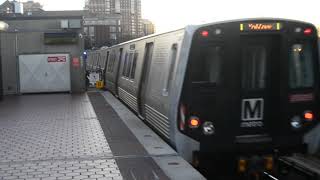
{"points": [[254, 67], [301, 66], [207, 65]]}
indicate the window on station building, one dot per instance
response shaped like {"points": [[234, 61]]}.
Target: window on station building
{"points": [[117, 6], [85, 30], [91, 31], [113, 29], [132, 5], [113, 36]]}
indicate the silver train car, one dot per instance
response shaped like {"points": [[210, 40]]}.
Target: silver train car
{"points": [[229, 88], [141, 73]]}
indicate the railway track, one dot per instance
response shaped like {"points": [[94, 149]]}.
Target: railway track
{"points": [[297, 167]]}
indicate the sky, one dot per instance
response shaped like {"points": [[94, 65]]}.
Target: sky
{"points": [[172, 14]]}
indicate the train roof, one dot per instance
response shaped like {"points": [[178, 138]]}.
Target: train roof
{"points": [[146, 37], [192, 28], [254, 19]]}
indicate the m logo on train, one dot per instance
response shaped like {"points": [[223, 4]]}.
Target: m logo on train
{"points": [[252, 112]]}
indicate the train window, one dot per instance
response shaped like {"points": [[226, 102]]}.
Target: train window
{"points": [[107, 60], [172, 61], [109, 66], [301, 66], [129, 65], [134, 64], [206, 66], [124, 69], [98, 61], [112, 61], [120, 56], [254, 67]]}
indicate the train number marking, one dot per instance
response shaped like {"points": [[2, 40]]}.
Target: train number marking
{"points": [[252, 109]]}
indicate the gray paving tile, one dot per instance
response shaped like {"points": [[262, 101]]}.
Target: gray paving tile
{"points": [[49, 137]]}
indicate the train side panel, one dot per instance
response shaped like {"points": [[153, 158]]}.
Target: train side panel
{"points": [[127, 87], [153, 92], [159, 82]]}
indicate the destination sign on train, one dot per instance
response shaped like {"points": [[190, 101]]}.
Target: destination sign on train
{"points": [[260, 26]]}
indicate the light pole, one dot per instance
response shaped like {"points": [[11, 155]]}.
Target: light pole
{"points": [[3, 27]]}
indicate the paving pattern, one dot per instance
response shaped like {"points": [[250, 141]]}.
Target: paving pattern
{"points": [[134, 162], [54, 136]]}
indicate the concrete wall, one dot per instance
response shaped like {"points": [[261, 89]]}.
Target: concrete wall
{"points": [[27, 37]]}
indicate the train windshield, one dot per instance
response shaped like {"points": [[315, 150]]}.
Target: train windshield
{"points": [[301, 66], [206, 67], [254, 72]]}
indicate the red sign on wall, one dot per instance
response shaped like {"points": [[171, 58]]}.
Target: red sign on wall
{"points": [[76, 62], [52, 59]]}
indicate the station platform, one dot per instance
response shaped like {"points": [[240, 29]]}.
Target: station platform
{"points": [[82, 136]]}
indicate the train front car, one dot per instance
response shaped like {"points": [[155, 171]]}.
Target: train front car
{"points": [[251, 89]]}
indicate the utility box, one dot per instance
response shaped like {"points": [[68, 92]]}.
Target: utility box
{"points": [[40, 73]]}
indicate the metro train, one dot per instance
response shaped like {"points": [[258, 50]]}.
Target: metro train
{"points": [[237, 88]]}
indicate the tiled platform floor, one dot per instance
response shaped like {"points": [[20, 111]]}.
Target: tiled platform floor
{"points": [[53, 136]]}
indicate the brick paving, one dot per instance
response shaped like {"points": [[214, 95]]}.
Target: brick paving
{"points": [[54, 136]]}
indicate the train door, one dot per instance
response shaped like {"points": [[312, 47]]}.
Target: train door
{"points": [[144, 78], [261, 77], [117, 71]]}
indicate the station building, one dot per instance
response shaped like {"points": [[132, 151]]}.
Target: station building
{"points": [[54, 42]]}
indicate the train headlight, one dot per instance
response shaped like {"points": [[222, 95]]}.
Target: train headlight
{"points": [[308, 116], [296, 122], [208, 128], [194, 122]]}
